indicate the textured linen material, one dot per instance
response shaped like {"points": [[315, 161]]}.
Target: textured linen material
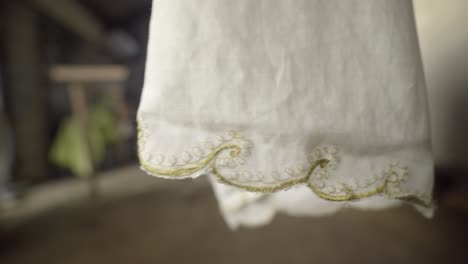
{"points": [[253, 92]]}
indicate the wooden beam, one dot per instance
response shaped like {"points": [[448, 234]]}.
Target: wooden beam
{"points": [[73, 16], [88, 73]]}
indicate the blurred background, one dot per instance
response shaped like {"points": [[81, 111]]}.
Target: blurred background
{"points": [[71, 73]]}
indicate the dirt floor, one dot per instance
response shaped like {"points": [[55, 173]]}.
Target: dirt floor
{"points": [[180, 223]]}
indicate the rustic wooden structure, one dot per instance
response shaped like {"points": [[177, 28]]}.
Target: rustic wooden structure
{"points": [[76, 78]]}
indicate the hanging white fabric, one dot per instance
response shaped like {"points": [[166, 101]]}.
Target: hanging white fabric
{"points": [[300, 106]]}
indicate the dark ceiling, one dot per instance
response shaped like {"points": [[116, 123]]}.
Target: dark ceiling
{"points": [[117, 11]]}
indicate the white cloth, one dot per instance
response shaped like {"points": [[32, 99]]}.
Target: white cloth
{"points": [[301, 106]]}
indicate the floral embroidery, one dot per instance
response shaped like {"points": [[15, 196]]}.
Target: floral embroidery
{"points": [[226, 152]]}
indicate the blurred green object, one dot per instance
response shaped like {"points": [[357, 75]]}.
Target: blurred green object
{"points": [[69, 149]]}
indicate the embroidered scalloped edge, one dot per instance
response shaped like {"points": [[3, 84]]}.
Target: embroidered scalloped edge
{"points": [[231, 148]]}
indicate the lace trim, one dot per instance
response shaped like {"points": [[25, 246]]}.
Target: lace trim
{"points": [[226, 151]]}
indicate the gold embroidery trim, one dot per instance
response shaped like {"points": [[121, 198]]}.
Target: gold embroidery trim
{"points": [[209, 161]]}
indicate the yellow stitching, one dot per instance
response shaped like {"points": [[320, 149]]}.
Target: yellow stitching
{"points": [[236, 150], [181, 172], [269, 189]]}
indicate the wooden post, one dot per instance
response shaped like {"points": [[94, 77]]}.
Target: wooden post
{"points": [[26, 91], [80, 110]]}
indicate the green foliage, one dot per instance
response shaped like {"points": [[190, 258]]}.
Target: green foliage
{"points": [[69, 149]]}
